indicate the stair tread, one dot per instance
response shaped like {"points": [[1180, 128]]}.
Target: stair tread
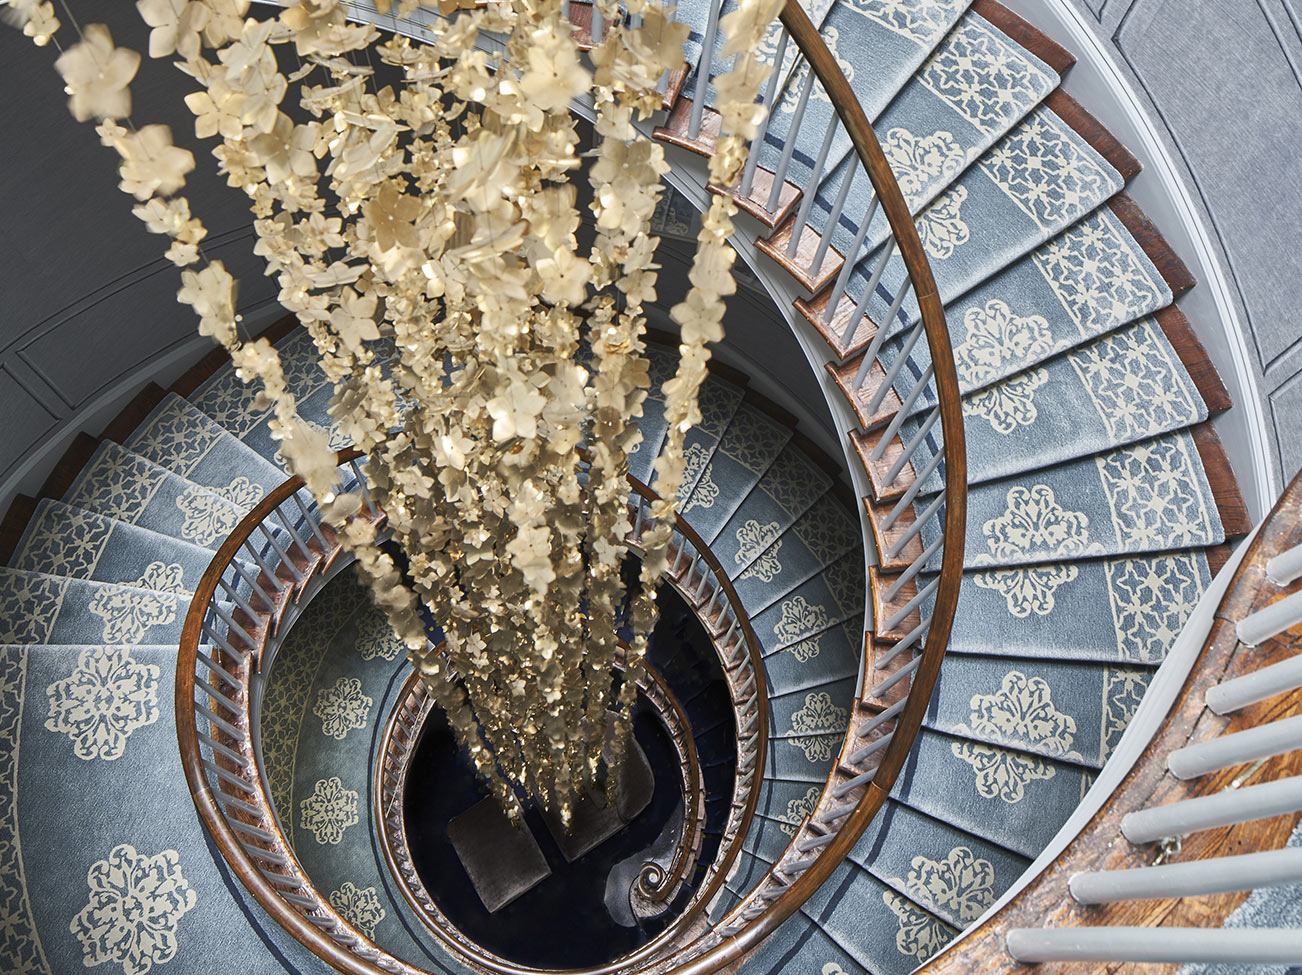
{"points": [[825, 656], [1004, 795], [995, 202], [137, 829], [1123, 387], [790, 485], [800, 948], [37, 607], [1144, 497], [64, 540], [743, 455], [947, 116], [952, 873], [796, 715], [183, 439], [1054, 708], [719, 400], [817, 538], [126, 486], [883, 930], [832, 596], [1123, 610]]}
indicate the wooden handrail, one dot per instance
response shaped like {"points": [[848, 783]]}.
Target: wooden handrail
{"points": [[214, 818]]}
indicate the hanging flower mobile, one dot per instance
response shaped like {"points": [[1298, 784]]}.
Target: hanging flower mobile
{"points": [[489, 368]]}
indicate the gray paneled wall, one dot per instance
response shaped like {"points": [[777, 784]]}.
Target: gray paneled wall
{"points": [[88, 306]]}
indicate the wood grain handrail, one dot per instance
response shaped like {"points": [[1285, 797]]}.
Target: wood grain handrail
{"points": [[212, 816]]}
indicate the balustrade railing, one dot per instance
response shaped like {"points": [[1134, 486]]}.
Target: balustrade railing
{"points": [[236, 609]]}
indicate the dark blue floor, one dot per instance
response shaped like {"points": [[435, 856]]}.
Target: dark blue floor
{"points": [[563, 922]]}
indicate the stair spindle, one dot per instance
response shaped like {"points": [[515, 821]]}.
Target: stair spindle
{"points": [[912, 604], [898, 545], [770, 92], [907, 499], [847, 269], [780, 175], [911, 447], [885, 685], [703, 71], [914, 568], [811, 186], [833, 219], [285, 560], [902, 414]]}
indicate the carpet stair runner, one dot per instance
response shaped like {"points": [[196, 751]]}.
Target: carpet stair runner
{"points": [[1098, 489], [1090, 528]]}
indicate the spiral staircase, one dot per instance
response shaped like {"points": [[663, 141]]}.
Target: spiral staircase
{"points": [[1048, 508]]}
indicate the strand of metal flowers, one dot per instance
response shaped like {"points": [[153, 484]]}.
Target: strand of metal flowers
{"points": [[447, 302]]}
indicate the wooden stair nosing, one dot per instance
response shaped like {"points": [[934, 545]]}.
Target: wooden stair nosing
{"points": [[1206, 379], [1224, 485], [1217, 556], [873, 676], [800, 267], [66, 469], [1150, 240], [878, 583], [756, 204], [864, 444], [1094, 132], [884, 540], [674, 131], [814, 308], [844, 375], [1025, 34]]}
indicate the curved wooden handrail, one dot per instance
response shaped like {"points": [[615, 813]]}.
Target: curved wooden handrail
{"points": [[268, 896], [212, 816], [828, 72], [723, 865]]}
